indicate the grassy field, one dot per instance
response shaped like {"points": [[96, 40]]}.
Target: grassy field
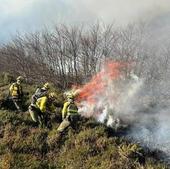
{"points": [[90, 146]]}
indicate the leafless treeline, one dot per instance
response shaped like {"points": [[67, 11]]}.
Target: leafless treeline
{"points": [[73, 54]]}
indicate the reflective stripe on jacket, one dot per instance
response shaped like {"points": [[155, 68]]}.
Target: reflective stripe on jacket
{"points": [[72, 109], [69, 109], [16, 90]]}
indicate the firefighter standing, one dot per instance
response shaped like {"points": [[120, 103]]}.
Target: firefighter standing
{"points": [[70, 114], [40, 110], [16, 93], [40, 92]]}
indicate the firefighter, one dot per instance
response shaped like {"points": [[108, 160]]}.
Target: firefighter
{"points": [[40, 92], [16, 93], [41, 110], [70, 114]]}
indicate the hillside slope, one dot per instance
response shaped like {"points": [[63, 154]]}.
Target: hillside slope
{"points": [[91, 146]]}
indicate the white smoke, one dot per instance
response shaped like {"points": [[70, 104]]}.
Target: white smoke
{"points": [[31, 15], [128, 102], [118, 99], [123, 11]]}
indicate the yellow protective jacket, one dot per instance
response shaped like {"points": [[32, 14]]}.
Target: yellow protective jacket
{"points": [[69, 109], [15, 90], [44, 104]]}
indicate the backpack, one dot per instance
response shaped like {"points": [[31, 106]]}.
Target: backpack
{"points": [[38, 94]]}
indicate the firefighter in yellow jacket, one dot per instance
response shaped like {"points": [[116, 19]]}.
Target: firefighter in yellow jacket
{"points": [[40, 111], [16, 93], [70, 114]]}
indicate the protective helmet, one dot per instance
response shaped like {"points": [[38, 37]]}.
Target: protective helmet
{"points": [[46, 85], [70, 96], [52, 95], [20, 78]]}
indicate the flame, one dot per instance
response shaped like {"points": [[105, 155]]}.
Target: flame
{"points": [[90, 91]]}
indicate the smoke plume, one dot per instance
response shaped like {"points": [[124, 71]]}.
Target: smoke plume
{"points": [[116, 96]]}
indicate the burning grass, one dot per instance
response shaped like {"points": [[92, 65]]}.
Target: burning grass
{"points": [[92, 145]]}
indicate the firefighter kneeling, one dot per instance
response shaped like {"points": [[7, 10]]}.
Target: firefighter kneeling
{"points": [[70, 114], [41, 110]]}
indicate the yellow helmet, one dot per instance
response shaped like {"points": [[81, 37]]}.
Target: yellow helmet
{"points": [[46, 85], [52, 95]]}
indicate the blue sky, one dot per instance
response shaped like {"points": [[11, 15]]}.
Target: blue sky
{"points": [[31, 15]]}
